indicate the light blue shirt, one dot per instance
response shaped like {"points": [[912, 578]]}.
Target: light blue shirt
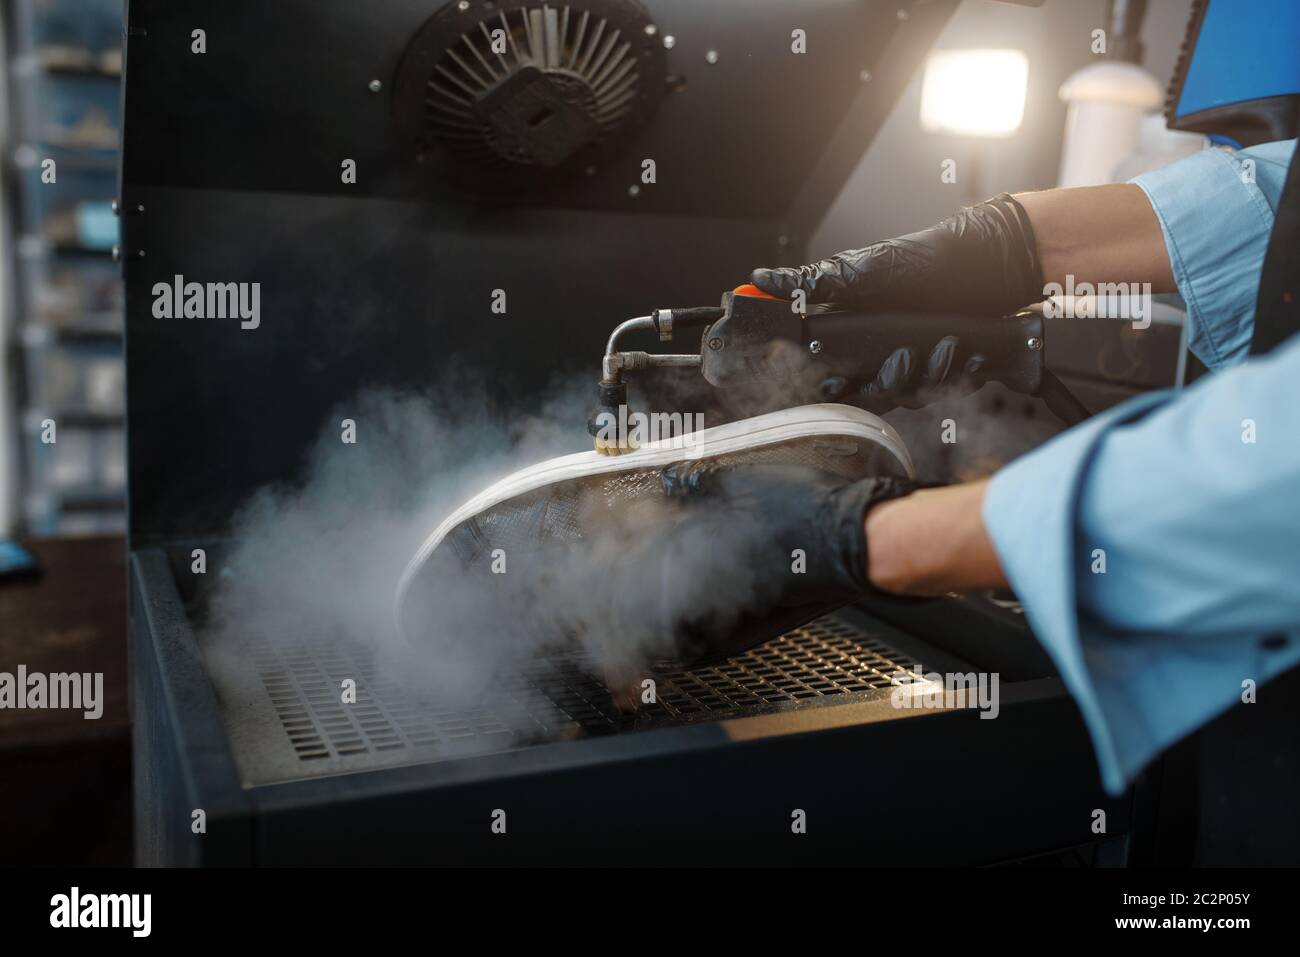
{"points": [[1156, 547]]}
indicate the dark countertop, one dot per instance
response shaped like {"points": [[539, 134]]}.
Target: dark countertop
{"points": [[67, 798]]}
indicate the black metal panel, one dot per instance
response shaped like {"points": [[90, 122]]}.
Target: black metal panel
{"points": [[282, 96], [882, 81], [180, 760], [879, 792], [370, 292], [232, 174], [879, 786]]}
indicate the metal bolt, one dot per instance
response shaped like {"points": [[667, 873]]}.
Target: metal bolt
{"points": [[670, 41], [634, 191], [463, 6], [375, 86], [711, 56], [651, 29], [815, 347], [865, 76], [1034, 343], [783, 240], [715, 343]]}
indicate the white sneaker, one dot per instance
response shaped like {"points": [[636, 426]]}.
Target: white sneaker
{"points": [[553, 504]]}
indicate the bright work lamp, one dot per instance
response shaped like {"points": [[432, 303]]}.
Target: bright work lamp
{"points": [[974, 92]]}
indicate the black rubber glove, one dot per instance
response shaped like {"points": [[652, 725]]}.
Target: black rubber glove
{"points": [[755, 551], [981, 261], [905, 380]]}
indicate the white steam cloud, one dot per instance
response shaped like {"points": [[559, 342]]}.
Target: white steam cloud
{"points": [[315, 563]]}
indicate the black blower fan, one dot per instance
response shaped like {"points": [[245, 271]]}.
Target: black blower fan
{"points": [[510, 88]]}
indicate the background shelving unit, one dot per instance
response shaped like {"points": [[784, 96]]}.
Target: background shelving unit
{"points": [[64, 291]]}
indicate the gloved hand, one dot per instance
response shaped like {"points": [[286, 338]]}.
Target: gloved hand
{"points": [[904, 380], [981, 261], [722, 560], [753, 551]]}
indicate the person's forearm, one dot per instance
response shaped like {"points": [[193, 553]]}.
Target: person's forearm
{"points": [[1098, 234], [932, 542]]}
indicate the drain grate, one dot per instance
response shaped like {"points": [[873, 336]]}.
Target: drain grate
{"points": [[557, 699]]}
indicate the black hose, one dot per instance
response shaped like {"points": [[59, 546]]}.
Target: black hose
{"points": [[696, 316], [1061, 400]]}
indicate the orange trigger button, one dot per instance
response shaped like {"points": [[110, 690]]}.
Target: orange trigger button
{"points": [[749, 289]]}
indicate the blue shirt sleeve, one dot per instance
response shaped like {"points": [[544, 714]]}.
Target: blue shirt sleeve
{"points": [[1216, 212], [1156, 547]]}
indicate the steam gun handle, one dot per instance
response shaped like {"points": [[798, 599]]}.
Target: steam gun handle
{"points": [[855, 345]]}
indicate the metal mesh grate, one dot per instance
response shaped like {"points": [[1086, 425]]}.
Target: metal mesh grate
{"points": [[558, 698]]}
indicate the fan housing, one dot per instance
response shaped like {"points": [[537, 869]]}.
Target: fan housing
{"points": [[531, 86]]}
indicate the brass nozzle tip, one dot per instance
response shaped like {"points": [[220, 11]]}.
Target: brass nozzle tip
{"points": [[605, 447]]}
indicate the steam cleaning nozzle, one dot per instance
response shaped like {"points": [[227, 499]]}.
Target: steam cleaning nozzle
{"points": [[605, 425]]}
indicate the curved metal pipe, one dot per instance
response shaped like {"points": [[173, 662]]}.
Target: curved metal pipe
{"points": [[640, 322]]}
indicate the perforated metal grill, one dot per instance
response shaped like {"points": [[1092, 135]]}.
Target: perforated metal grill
{"points": [[557, 699]]}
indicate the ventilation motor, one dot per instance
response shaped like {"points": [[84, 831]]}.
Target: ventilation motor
{"points": [[526, 86]]}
